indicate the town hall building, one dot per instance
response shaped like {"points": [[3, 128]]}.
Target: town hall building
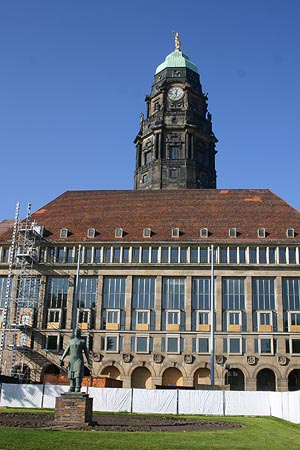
{"points": [[173, 284]]}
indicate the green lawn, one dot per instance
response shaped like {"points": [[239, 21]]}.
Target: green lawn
{"points": [[258, 433]]}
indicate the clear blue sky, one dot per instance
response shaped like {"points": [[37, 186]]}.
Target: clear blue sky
{"points": [[74, 74]]}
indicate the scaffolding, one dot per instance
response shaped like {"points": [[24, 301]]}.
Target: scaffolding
{"points": [[21, 300]]}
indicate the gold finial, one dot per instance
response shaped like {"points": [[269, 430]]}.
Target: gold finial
{"points": [[177, 41]]}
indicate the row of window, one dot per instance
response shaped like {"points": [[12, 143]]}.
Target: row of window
{"points": [[171, 312], [166, 254], [175, 344]]}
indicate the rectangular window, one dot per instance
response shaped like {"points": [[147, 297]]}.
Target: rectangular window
{"points": [[203, 255], [125, 256], [114, 299], [223, 255], [5, 255], [136, 254], [272, 255], [142, 319], [142, 344], [262, 254], [194, 255], [294, 321], [232, 255], [235, 346], [183, 255], [52, 343], [266, 346], [292, 255], [116, 255], [252, 256], [87, 292], [282, 255], [173, 320], [173, 344], [242, 255], [203, 345], [173, 173], [173, 152], [234, 320], [57, 292], [154, 255], [174, 255], [203, 320], [173, 299], [54, 319], [265, 321], [143, 316], [164, 254], [295, 346], [145, 255], [97, 255], [106, 254], [112, 343], [112, 319], [148, 157]]}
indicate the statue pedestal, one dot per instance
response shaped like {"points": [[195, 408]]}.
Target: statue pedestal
{"points": [[74, 408]]}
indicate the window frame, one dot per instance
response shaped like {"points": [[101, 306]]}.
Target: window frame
{"points": [[202, 336], [142, 326], [173, 336], [260, 338], [117, 337], [112, 325]]}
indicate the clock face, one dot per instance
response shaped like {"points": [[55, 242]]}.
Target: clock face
{"points": [[175, 93]]}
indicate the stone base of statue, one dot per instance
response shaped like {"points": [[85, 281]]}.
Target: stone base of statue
{"points": [[74, 408]]}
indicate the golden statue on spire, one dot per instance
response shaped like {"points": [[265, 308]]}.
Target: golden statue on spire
{"points": [[177, 41]]}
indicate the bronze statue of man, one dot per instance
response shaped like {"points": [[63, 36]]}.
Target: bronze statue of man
{"points": [[75, 349]]}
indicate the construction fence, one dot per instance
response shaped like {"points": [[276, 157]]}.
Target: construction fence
{"points": [[284, 405]]}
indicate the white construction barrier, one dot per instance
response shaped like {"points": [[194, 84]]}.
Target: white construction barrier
{"points": [[22, 395], [160, 401], [284, 405], [201, 402], [246, 403], [111, 399]]}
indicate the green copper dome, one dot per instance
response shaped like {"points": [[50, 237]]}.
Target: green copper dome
{"points": [[177, 59]]}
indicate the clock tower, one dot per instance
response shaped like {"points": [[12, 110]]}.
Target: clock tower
{"points": [[175, 146]]}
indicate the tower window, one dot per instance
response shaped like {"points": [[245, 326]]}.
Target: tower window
{"points": [[148, 157], [145, 178], [173, 173], [261, 233], [173, 152], [64, 232], [290, 233], [204, 232]]}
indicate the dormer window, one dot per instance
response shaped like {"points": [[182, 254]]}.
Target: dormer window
{"points": [[91, 233], [232, 232], [175, 232], [147, 232], [204, 232], [290, 233], [64, 232], [119, 232], [261, 233]]}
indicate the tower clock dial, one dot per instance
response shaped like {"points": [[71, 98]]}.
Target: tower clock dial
{"points": [[175, 93]]}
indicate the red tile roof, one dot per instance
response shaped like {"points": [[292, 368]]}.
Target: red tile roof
{"points": [[161, 210]]}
